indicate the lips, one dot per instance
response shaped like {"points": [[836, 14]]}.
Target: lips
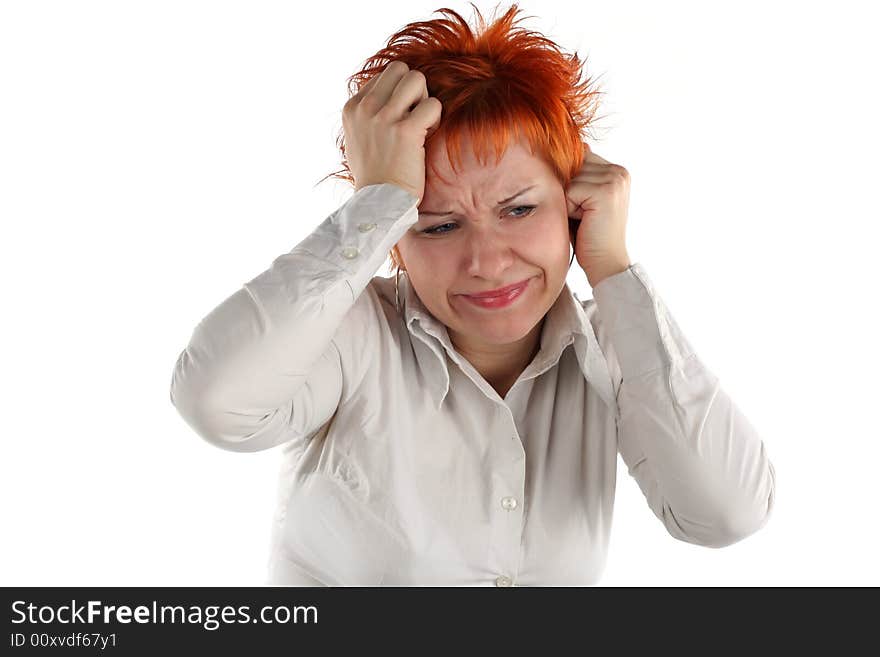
{"points": [[501, 291]]}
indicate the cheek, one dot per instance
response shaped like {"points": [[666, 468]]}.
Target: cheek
{"points": [[425, 263], [413, 253], [426, 255], [548, 234]]}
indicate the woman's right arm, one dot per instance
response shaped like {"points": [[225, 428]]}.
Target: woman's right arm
{"points": [[269, 364]]}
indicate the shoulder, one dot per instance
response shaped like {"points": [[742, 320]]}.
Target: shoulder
{"points": [[591, 313], [366, 336], [603, 339], [372, 316], [382, 288], [379, 295]]}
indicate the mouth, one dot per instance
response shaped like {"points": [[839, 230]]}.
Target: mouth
{"points": [[501, 291], [499, 298]]}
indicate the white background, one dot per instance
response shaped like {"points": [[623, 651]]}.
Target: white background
{"points": [[156, 155]]}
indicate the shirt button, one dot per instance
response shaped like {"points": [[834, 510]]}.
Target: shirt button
{"points": [[364, 228], [350, 252], [508, 503], [503, 580]]}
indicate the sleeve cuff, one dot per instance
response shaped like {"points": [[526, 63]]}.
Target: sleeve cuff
{"points": [[357, 237], [642, 331]]}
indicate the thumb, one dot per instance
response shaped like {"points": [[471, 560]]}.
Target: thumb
{"points": [[574, 209]]}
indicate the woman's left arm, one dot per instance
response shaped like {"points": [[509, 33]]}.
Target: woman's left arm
{"points": [[700, 463]]}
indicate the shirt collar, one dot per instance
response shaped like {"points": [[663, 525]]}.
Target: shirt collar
{"points": [[565, 323]]}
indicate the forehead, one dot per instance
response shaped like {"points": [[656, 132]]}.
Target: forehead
{"points": [[516, 165]]}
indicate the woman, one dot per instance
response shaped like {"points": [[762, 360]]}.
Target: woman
{"points": [[433, 433]]}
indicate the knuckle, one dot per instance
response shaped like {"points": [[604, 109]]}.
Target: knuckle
{"points": [[408, 128], [398, 65], [369, 104], [353, 103], [383, 113], [620, 171]]}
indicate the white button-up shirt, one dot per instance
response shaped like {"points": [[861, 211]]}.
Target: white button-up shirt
{"points": [[402, 466]]}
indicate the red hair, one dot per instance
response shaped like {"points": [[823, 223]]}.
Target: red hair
{"points": [[499, 83]]}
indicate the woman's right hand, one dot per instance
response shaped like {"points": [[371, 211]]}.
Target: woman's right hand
{"points": [[386, 124]]}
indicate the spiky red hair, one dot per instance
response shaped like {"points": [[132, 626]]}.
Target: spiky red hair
{"points": [[499, 83]]}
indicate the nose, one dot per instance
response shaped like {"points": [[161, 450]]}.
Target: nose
{"points": [[487, 256]]}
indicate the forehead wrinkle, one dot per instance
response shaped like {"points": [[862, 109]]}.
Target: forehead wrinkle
{"points": [[519, 190], [507, 176]]}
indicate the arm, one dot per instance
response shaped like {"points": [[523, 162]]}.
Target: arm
{"points": [[273, 361], [699, 462]]}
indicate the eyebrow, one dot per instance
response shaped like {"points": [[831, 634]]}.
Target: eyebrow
{"points": [[507, 200]]}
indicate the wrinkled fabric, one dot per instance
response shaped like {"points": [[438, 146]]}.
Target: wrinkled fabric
{"points": [[402, 466]]}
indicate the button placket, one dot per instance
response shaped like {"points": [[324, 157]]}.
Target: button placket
{"points": [[506, 522]]}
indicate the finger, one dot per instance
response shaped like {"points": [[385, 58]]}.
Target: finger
{"points": [[411, 89], [427, 115], [366, 86], [573, 208], [593, 177], [387, 82]]}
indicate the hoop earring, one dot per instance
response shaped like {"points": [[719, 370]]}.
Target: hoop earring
{"points": [[397, 289]]}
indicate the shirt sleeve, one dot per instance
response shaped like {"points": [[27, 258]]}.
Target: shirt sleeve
{"points": [[699, 462], [273, 361]]}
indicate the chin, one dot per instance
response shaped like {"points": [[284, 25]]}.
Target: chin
{"points": [[501, 330]]}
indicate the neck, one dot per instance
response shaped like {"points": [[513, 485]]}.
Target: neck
{"points": [[502, 365]]}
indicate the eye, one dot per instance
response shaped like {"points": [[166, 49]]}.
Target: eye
{"points": [[530, 208], [436, 229]]}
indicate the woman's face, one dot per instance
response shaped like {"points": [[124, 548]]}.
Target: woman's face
{"points": [[483, 245]]}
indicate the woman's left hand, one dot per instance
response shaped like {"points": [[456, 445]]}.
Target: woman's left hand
{"points": [[598, 196]]}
